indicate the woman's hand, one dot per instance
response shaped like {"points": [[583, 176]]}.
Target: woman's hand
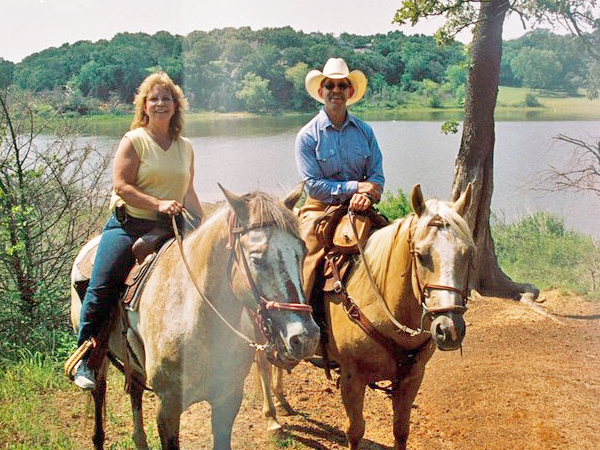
{"points": [[170, 207]]}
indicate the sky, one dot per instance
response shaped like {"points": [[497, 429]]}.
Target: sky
{"points": [[29, 26]]}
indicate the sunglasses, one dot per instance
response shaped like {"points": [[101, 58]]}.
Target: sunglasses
{"points": [[331, 86]]}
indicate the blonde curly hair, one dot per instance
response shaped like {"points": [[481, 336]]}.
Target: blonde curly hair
{"points": [[140, 118]]}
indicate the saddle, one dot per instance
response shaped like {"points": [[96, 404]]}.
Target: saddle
{"points": [[145, 249], [340, 233]]}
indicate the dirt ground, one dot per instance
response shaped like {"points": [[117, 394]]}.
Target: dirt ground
{"points": [[523, 381]]}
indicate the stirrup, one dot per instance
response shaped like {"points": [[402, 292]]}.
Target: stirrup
{"points": [[77, 356]]}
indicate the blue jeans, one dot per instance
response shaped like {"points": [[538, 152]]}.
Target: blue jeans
{"points": [[113, 261]]}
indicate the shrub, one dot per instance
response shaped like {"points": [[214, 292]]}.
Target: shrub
{"points": [[394, 206], [539, 249]]}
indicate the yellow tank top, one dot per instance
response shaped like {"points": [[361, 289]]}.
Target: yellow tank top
{"points": [[162, 174]]}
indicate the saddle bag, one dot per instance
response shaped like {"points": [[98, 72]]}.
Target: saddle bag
{"points": [[346, 238], [334, 231]]}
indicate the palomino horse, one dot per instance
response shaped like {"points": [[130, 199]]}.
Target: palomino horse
{"points": [[194, 328], [406, 299]]}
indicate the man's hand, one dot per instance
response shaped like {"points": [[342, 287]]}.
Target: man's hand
{"points": [[359, 203], [368, 193]]}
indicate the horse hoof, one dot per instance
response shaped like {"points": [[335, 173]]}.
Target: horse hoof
{"points": [[277, 433], [275, 430]]}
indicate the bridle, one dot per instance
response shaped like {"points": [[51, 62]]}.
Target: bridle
{"points": [[424, 289], [263, 305]]}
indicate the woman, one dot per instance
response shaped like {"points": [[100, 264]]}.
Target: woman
{"points": [[153, 179]]}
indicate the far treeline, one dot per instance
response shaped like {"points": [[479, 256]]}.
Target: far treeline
{"points": [[245, 70]]}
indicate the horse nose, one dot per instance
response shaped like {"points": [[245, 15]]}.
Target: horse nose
{"points": [[448, 332], [303, 343]]}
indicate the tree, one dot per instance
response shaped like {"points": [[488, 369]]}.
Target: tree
{"points": [[581, 173], [6, 73], [52, 191], [539, 69], [475, 159], [295, 75], [255, 93]]}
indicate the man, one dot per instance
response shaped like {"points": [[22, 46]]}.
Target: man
{"points": [[337, 156]]}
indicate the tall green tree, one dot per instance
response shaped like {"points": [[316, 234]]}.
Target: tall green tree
{"points": [[6, 73], [255, 93], [475, 160]]}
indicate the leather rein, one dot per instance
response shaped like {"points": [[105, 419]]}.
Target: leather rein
{"points": [[262, 304]]}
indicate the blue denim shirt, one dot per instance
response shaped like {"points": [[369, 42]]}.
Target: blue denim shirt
{"points": [[332, 161]]}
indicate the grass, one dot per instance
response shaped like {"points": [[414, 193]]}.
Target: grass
{"points": [[554, 106], [27, 388], [37, 411]]}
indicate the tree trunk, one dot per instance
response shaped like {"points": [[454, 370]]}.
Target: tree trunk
{"points": [[475, 160]]}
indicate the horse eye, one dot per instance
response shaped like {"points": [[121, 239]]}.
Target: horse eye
{"points": [[257, 259], [423, 258]]}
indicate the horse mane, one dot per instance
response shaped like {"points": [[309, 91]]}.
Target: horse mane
{"points": [[262, 208], [382, 243]]}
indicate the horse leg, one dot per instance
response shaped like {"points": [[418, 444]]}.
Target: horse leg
{"points": [[139, 435], [402, 401], [99, 396], [168, 417], [353, 396], [268, 409], [223, 416], [281, 403]]}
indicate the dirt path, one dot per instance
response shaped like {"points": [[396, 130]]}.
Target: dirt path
{"points": [[524, 381]]}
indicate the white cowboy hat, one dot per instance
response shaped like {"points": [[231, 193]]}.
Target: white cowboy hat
{"points": [[336, 68]]}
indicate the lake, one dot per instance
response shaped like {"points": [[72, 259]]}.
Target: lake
{"points": [[258, 153]]}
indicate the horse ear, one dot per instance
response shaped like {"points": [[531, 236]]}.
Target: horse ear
{"points": [[292, 198], [417, 200], [462, 205], [237, 203]]}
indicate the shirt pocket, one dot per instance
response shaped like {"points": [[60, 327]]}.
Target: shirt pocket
{"points": [[363, 152], [329, 161]]}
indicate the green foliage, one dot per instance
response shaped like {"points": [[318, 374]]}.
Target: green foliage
{"points": [[212, 66], [255, 93], [450, 127], [52, 192], [394, 206], [6, 73], [542, 251]]}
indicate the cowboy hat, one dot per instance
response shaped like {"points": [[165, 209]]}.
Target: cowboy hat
{"points": [[336, 68]]}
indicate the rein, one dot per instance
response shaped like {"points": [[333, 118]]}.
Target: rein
{"points": [[261, 302], [378, 295], [249, 341]]}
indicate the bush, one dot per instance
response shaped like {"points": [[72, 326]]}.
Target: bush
{"points": [[394, 206], [532, 101], [540, 250]]}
